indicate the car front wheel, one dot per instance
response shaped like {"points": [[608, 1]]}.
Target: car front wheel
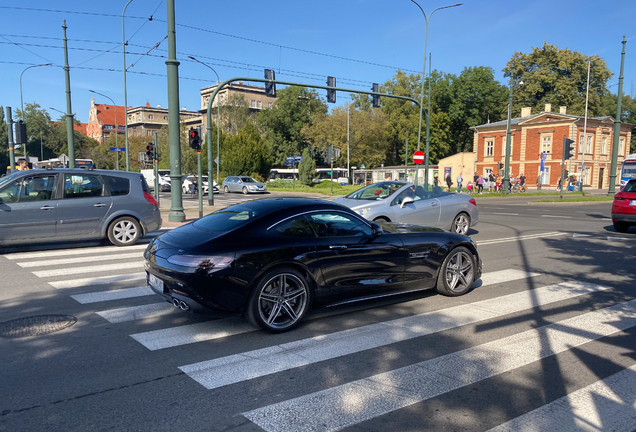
{"points": [[457, 273], [244, 190], [124, 231], [226, 189], [280, 301], [461, 224]]}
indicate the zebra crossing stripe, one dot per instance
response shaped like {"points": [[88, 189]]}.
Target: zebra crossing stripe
{"points": [[73, 252], [258, 363], [75, 260], [89, 269], [608, 404], [137, 312], [348, 404], [101, 280], [117, 294]]}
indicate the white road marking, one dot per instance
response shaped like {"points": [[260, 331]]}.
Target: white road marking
{"points": [[507, 275], [71, 252], [557, 216], [138, 312], [183, 335], [609, 238], [519, 238], [341, 406], [254, 364], [101, 280], [81, 260], [576, 235], [117, 294], [507, 214], [89, 269], [605, 405]]}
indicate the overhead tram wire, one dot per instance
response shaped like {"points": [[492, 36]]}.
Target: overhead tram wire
{"points": [[20, 46]]}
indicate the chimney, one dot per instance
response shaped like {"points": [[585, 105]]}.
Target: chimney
{"points": [[158, 106], [562, 109], [525, 112], [548, 107], [184, 109]]}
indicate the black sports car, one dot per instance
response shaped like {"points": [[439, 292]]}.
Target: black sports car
{"points": [[272, 259]]}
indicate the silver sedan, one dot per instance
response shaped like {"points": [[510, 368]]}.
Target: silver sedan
{"points": [[396, 201]]}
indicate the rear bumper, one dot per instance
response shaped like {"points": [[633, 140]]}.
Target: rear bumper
{"points": [[623, 217]]}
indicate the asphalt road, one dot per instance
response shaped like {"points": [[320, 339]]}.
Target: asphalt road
{"points": [[546, 340]]}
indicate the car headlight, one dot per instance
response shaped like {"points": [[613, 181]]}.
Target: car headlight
{"points": [[201, 261], [363, 211]]}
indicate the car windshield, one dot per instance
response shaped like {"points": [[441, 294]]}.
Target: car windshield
{"points": [[227, 219], [628, 170], [376, 191], [248, 180]]}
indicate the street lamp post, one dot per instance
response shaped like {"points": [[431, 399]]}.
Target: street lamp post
{"points": [[123, 41], [506, 176], [63, 113], [21, 103], [209, 139], [116, 128], [419, 131]]}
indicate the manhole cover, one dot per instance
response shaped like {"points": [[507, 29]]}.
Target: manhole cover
{"points": [[35, 325]]}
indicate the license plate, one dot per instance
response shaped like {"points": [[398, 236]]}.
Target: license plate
{"points": [[632, 202], [155, 282]]}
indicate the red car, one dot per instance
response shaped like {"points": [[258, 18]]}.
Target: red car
{"points": [[624, 207]]}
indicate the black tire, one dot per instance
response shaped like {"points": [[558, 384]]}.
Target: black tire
{"points": [[621, 227], [381, 219], [124, 231], [461, 224], [244, 190], [457, 273], [275, 311], [226, 189]]}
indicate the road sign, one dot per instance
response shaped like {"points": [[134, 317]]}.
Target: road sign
{"points": [[117, 149], [418, 157]]}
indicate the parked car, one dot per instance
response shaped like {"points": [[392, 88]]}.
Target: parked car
{"points": [[243, 184], [76, 204], [163, 179], [301, 253], [624, 207], [187, 185], [398, 201]]}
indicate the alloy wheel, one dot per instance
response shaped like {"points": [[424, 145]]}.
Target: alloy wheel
{"points": [[461, 224], [459, 272], [282, 301], [124, 231]]}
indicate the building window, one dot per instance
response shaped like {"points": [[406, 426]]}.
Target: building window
{"points": [[588, 147], [489, 148], [546, 144], [150, 117], [621, 144], [545, 176], [258, 105], [109, 127], [269, 104], [586, 177], [149, 133], [165, 117], [581, 144], [603, 145], [503, 145], [253, 105]]}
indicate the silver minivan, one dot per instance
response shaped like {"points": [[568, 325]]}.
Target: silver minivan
{"points": [[76, 204]]}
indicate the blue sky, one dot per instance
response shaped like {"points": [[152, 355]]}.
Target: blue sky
{"points": [[241, 38]]}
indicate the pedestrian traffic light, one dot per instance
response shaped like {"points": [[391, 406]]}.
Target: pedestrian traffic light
{"points": [[568, 148], [193, 139], [20, 133], [376, 99], [150, 152], [566, 174], [331, 94], [501, 165], [270, 87]]}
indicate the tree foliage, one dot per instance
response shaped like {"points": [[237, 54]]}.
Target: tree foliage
{"points": [[306, 168], [246, 153], [235, 113]]}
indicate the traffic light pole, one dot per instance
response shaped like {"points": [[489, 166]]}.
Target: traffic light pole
{"points": [[10, 136], [565, 144], [155, 164], [268, 81], [200, 185], [617, 127]]}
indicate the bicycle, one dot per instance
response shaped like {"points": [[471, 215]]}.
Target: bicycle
{"points": [[515, 188]]}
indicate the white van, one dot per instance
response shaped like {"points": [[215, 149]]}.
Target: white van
{"points": [[164, 179]]}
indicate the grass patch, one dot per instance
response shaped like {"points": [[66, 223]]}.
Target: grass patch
{"points": [[579, 199], [322, 187]]}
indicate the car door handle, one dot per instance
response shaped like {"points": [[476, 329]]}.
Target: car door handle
{"points": [[433, 204], [337, 247], [99, 205], [47, 208]]}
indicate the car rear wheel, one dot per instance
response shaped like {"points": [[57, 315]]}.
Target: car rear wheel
{"points": [[457, 273], [244, 190], [280, 301], [124, 231], [226, 189], [461, 224], [381, 219], [621, 226]]}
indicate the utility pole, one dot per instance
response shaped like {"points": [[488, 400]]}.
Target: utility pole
{"points": [[69, 111], [176, 207], [348, 111], [10, 136], [587, 93], [617, 126], [428, 126], [155, 163]]}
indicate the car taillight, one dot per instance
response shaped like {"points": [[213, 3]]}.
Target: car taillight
{"points": [[472, 201], [150, 198], [619, 196]]}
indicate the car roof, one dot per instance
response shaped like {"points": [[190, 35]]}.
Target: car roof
{"points": [[77, 171], [272, 205]]}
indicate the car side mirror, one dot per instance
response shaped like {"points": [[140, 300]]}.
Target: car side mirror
{"points": [[406, 200], [376, 229]]}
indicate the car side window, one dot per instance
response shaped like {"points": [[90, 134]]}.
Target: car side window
{"points": [[40, 188], [335, 224], [82, 186], [295, 227], [117, 185], [11, 192]]}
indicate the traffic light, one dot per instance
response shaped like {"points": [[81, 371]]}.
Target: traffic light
{"points": [[329, 154], [568, 148], [376, 99], [501, 165], [270, 87], [193, 139], [20, 133], [566, 174], [331, 94], [150, 152]]}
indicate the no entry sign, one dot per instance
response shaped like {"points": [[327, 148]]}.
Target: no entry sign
{"points": [[418, 157]]}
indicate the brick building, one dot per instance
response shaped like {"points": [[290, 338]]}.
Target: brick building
{"points": [[102, 121], [533, 134]]}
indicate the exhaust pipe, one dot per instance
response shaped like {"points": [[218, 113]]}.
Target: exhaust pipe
{"points": [[175, 302], [183, 305]]}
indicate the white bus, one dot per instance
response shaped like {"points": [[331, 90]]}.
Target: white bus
{"points": [[629, 169], [340, 175], [287, 174]]}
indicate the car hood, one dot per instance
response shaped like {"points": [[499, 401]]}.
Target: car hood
{"points": [[188, 236], [396, 227], [358, 204]]}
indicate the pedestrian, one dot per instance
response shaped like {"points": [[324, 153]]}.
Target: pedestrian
{"points": [[436, 181], [480, 185], [498, 183], [475, 177], [460, 179], [449, 182], [22, 165], [469, 187], [522, 183], [491, 182], [193, 186]]}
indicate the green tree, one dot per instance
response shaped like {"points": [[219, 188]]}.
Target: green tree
{"points": [[306, 168], [295, 107], [246, 153], [235, 113], [558, 76]]}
